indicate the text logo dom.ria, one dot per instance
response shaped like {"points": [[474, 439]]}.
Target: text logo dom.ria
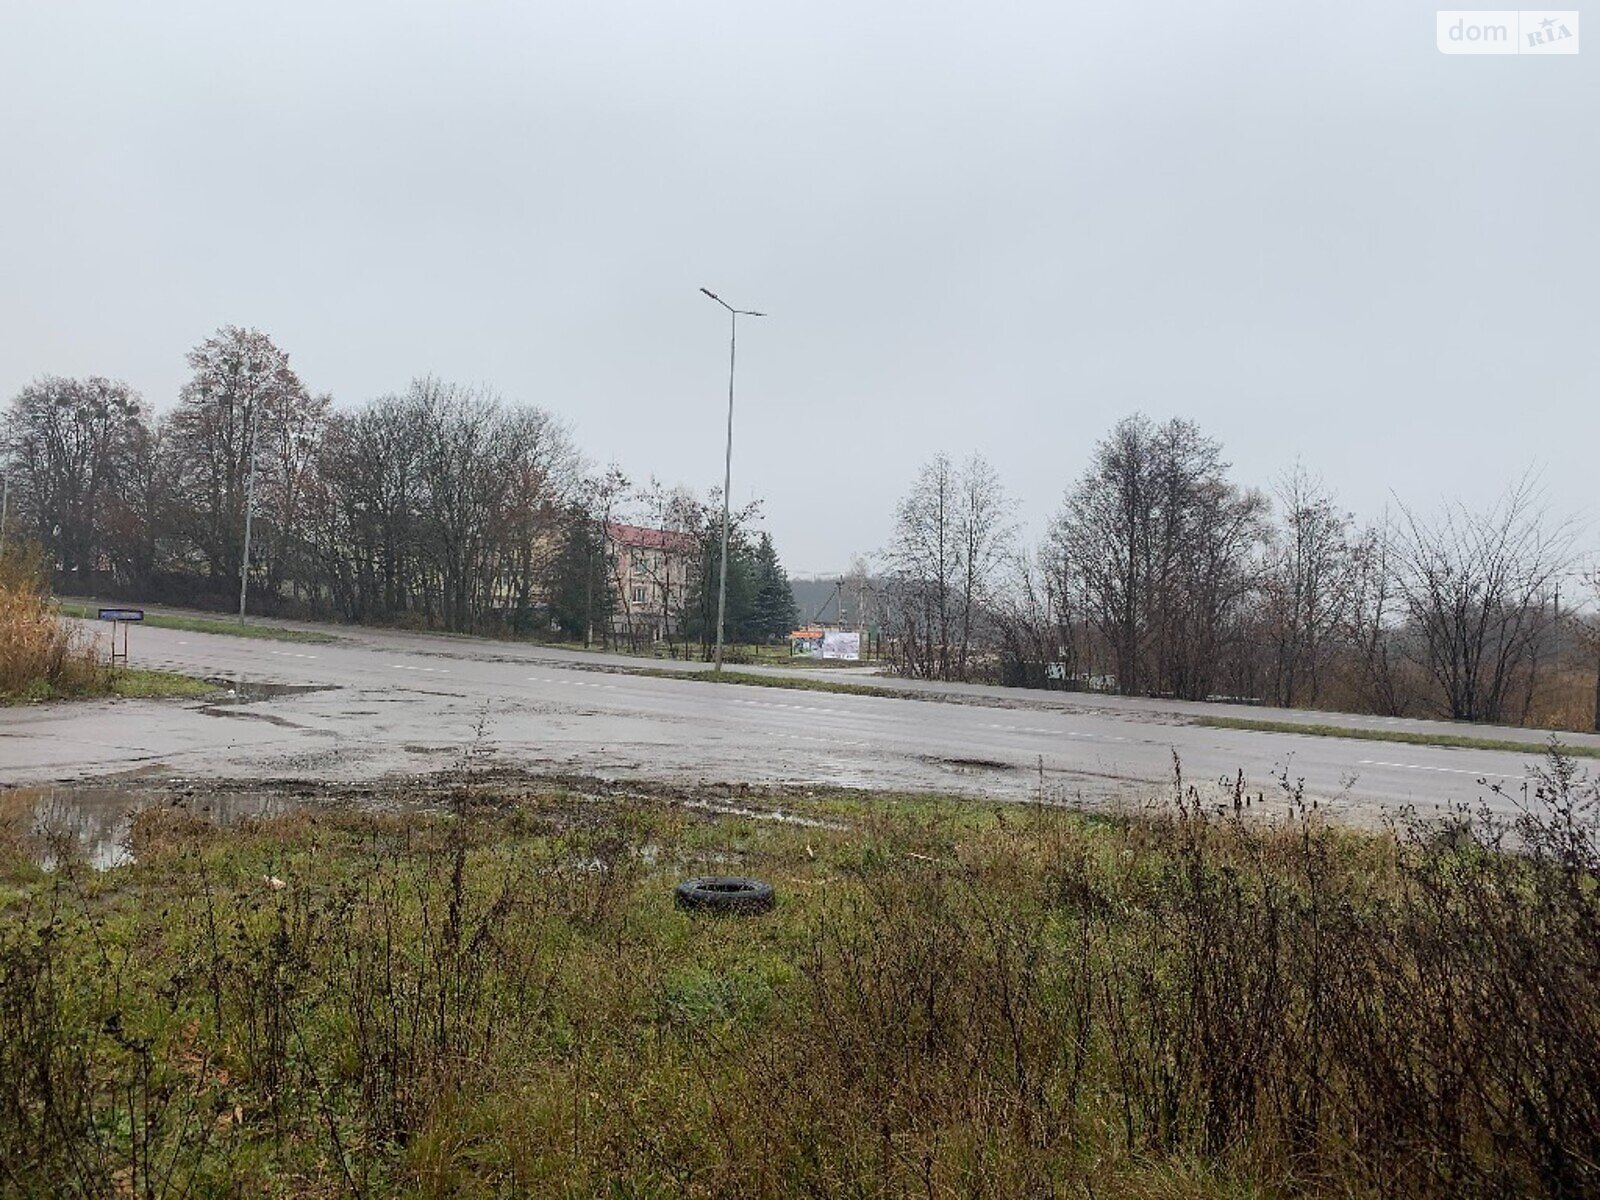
{"points": [[1506, 31]]}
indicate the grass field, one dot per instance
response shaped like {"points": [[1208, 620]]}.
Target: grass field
{"points": [[796, 683], [741, 655], [102, 683], [1409, 737], [491, 994], [227, 625]]}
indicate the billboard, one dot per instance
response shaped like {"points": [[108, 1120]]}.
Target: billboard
{"points": [[816, 642], [836, 643], [805, 643]]}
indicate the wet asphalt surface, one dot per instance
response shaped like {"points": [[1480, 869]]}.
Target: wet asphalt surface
{"points": [[386, 704]]}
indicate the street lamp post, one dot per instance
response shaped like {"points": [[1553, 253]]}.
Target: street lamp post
{"points": [[727, 463]]}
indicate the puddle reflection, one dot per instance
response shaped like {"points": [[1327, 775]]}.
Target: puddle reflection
{"points": [[94, 823]]}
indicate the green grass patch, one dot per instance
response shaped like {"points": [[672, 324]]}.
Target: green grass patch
{"points": [[277, 633], [489, 992], [101, 683], [139, 684], [223, 625], [1407, 736], [796, 683]]}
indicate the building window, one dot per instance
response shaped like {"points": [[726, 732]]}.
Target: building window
{"points": [[640, 593]]}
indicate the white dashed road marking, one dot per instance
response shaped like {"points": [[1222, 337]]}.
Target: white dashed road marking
{"points": [[1372, 762]]}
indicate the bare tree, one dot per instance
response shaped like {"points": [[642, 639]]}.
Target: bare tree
{"points": [[923, 572], [702, 519], [290, 442], [240, 396], [1377, 632], [1594, 585], [585, 576], [491, 479], [444, 504], [136, 541], [1163, 549], [601, 497], [1033, 619], [1477, 587], [72, 445], [540, 470], [952, 533], [986, 535], [1590, 633], [1101, 541], [371, 463], [1308, 586]]}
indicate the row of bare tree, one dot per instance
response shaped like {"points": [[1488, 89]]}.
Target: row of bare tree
{"points": [[1160, 575], [442, 506], [437, 503]]}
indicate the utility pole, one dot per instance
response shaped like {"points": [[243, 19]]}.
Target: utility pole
{"points": [[5, 512], [1597, 684], [1594, 584], [727, 464], [249, 504]]}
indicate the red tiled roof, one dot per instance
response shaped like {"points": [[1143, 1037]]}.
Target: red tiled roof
{"points": [[641, 537]]}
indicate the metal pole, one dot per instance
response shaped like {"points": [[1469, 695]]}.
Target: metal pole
{"points": [[5, 512], [727, 484], [727, 466], [1597, 689], [249, 504]]}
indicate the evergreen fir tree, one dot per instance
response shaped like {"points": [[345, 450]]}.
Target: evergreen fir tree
{"points": [[775, 610], [582, 595]]}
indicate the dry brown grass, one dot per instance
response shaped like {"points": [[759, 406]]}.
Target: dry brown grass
{"points": [[1565, 699], [40, 655]]}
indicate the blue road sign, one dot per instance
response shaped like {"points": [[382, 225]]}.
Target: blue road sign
{"points": [[122, 614]]}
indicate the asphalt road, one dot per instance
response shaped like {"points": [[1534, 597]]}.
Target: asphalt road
{"points": [[387, 702]]}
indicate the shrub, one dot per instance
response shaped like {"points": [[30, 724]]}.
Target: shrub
{"points": [[40, 655]]}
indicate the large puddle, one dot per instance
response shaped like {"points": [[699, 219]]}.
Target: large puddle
{"points": [[93, 823]]}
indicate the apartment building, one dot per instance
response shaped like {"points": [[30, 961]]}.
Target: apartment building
{"points": [[650, 570]]}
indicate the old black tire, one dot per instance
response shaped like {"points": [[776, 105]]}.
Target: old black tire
{"points": [[723, 894]]}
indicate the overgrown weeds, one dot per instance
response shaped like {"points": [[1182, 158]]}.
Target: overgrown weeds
{"points": [[1412, 737], [949, 999], [39, 655], [44, 658]]}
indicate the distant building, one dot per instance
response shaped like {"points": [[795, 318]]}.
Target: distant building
{"points": [[650, 571]]}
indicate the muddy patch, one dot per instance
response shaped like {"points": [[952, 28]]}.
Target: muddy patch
{"points": [[93, 823], [969, 764], [244, 691], [212, 710]]}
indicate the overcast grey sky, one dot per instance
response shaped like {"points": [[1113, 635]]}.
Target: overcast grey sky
{"points": [[992, 227]]}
